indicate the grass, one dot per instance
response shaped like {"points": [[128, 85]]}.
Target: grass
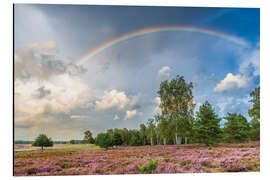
{"points": [[67, 147], [56, 150]]}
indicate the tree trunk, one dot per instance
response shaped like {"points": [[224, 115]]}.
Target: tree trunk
{"points": [[151, 139], [176, 138], [164, 141], [180, 141], [41, 148], [186, 140]]}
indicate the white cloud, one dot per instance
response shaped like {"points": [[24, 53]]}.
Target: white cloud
{"points": [[157, 109], [112, 99], [115, 117], [77, 116], [30, 63], [62, 96], [231, 82], [164, 71], [48, 46], [42, 89], [253, 60], [130, 114]]}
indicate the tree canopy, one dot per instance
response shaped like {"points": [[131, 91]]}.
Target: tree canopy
{"points": [[206, 126], [176, 107], [88, 137], [236, 128], [254, 113], [43, 141]]}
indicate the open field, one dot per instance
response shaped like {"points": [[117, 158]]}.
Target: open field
{"points": [[62, 147], [87, 159]]}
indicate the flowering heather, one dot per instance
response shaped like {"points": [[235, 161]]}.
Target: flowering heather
{"points": [[128, 160]]}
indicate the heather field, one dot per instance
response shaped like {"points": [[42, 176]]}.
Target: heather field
{"points": [[88, 159]]}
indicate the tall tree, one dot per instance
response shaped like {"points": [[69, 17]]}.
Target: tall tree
{"points": [[254, 113], [43, 141], [206, 126], [88, 137], [143, 133], [236, 128], [177, 106], [151, 130], [163, 128]]}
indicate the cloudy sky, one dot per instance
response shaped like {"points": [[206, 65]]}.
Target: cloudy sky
{"points": [[118, 87]]}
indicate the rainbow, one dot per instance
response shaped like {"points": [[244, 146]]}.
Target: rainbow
{"points": [[146, 31]]}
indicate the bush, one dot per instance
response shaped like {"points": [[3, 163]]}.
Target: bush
{"points": [[152, 165], [64, 165]]}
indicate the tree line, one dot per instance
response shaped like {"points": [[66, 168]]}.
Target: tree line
{"points": [[177, 123]]}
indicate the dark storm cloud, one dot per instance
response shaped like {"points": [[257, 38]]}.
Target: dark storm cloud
{"points": [[31, 62], [42, 92]]}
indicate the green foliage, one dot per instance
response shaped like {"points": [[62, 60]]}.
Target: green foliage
{"points": [[43, 141], [236, 128], [176, 123], [143, 134], [88, 137], [22, 142], [77, 141], [254, 113], [151, 134], [104, 140], [152, 165], [206, 127], [72, 142], [135, 139], [177, 107], [255, 130], [117, 138], [64, 165]]}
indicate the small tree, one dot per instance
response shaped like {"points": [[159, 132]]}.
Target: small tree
{"points": [[206, 127], [88, 137], [43, 141], [236, 128]]}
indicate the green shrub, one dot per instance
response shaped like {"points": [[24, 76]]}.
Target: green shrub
{"points": [[152, 165], [64, 165]]}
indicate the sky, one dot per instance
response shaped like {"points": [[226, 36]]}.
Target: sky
{"points": [[117, 88]]}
